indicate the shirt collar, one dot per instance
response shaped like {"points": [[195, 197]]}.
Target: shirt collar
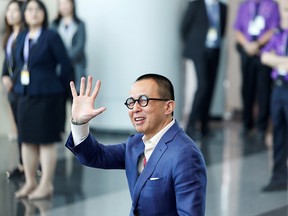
{"points": [[155, 139]]}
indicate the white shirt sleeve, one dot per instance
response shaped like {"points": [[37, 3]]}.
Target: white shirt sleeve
{"points": [[79, 132]]}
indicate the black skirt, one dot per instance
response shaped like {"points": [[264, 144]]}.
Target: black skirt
{"points": [[40, 118]]}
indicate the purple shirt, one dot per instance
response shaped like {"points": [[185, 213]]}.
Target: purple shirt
{"points": [[268, 11], [278, 44]]}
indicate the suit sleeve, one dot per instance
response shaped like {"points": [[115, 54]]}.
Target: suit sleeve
{"points": [[190, 182], [93, 154]]}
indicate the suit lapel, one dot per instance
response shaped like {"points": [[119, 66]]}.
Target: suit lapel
{"points": [[133, 176], [159, 150], [148, 170]]}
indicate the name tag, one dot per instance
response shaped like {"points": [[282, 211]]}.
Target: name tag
{"points": [[255, 26], [25, 77], [212, 35]]}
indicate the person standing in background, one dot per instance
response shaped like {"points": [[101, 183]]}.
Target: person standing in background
{"points": [[202, 31], [255, 23], [72, 32], [41, 91], [13, 23], [275, 55]]}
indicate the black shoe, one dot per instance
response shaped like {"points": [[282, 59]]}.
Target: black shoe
{"points": [[15, 173], [275, 187]]}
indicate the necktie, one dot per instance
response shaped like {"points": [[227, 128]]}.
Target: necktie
{"points": [[144, 161]]}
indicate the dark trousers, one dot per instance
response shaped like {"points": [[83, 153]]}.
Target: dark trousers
{"points": [[279, 113], [206, 72], [256, 86]]}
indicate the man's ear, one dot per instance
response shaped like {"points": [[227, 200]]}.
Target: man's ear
{"points": [[170, 107]]}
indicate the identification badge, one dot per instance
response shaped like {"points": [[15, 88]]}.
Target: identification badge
{"points": [[212, 35], [25, 77], [260, 22], [255, 26]]}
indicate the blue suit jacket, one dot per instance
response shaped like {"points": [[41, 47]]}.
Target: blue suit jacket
{"points": [[44, 57], [172, 183]]}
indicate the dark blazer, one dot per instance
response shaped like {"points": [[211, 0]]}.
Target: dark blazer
{"points": [[45, 56], [173, 181], [195, 26], [76, 52]]}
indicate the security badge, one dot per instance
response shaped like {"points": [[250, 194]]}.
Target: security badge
{"points": [[212, 34], [25, 76], [256, 25]]}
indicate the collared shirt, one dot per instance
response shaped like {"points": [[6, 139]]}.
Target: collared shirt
{"points": [[278, 43], [251, 24], [67, 32], [213, 34], [151, 144]]}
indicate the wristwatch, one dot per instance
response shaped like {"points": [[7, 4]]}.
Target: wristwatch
{"points": [[75, 122]]}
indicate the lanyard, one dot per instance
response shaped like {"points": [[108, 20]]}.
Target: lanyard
{"points": [[213, 14], [27, 48], [254, 9]]}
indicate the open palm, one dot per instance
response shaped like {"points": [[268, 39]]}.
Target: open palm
{"points": [[83, 104]]}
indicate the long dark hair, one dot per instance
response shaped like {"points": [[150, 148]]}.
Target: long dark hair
{"points": [[75, 17], [42, 7], [9, 28]]}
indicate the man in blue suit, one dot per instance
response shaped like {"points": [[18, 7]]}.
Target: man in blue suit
{"points": [[165, 169]]}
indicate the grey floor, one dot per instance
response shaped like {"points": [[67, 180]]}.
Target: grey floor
{"points": [[237, 169]]}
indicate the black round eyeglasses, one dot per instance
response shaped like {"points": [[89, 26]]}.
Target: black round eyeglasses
{"points": [[143, 101]]}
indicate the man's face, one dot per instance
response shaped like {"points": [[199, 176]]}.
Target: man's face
{"points": [[156, 115]]}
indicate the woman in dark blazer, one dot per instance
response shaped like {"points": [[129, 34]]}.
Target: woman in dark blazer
{"points": [[13, 26], [41, 89], [72, 31], [73, 34]]}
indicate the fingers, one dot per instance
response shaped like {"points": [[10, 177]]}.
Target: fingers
{"points": [[82, 86], [89, 86], [73, 89], [96, 89], [88, 89]]}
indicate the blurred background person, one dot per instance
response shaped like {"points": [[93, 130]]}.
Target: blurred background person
{"points": [[41, 93], [202, 31], [13, 25], [72, 31], [275, 55], [255, 23]]}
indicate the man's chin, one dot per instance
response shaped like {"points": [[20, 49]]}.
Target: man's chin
{"points": [[139, 129]]}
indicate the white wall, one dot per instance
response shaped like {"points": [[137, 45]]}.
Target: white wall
{"points": [[125, 39]]}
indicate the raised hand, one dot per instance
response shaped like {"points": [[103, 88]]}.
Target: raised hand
{"points": [[83, 104]]}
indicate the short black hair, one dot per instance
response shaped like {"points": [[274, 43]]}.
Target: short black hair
{"points": [[165, 86], [42, 7]]}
